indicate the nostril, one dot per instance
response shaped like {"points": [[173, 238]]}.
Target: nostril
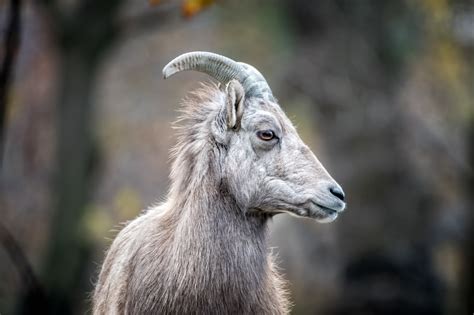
{"points": [[337, 191]]}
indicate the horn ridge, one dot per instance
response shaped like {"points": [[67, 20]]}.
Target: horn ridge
{"points": [[222, 69]]}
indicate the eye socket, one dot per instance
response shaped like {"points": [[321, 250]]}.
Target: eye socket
{"points": [[266, 135]]}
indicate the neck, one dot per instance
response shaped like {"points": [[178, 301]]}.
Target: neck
{"points": [[217, 258], [222, 245], [211, 223]]}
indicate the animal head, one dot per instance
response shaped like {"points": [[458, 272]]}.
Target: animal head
{"points": [[265, 165]]}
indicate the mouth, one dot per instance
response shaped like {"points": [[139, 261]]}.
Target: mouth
{"points": [[314, 210], [324, 214]]}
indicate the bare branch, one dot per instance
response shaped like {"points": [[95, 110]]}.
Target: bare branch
{"points": [[11, 44]]}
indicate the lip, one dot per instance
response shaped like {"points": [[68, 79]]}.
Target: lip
{"points": [[313, 210], [329, 210], [324, 214]]}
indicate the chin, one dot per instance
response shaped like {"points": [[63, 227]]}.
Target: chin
{"points": [[328, 218]]}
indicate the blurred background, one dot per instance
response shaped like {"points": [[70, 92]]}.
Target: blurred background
{"points": [[382, 91]]}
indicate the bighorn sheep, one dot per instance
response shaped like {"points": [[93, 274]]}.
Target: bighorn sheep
{"points": [[238, 162]]}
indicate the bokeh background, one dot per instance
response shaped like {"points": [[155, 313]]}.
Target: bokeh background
{"points": [[382, 91]]}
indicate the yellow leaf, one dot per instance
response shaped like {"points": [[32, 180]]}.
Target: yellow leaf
{"points": [[190, 8]]}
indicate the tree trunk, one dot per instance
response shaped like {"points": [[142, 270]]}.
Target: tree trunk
{"points": [[68, 251]]}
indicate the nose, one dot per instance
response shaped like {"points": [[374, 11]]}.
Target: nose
{"points": [[337, 191]]}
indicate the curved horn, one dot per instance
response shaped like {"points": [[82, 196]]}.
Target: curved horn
{"points": [[222, 69]]}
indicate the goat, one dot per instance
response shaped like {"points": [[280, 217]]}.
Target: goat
{"points": [[238, 162]]}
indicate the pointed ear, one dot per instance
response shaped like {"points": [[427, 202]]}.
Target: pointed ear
{"points": [[234, 104]]}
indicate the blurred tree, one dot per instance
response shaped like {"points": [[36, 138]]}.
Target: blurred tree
{"points": [[83, 37], [10, 49], [34, 294]]}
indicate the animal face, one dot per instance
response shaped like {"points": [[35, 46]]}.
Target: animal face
{"points": [[263, 162], [268, 168]]}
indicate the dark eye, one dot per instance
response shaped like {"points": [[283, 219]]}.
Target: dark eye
{"points": [[266, 135]]}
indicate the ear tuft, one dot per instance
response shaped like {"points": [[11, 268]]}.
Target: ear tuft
{"points": [[234, 104]]}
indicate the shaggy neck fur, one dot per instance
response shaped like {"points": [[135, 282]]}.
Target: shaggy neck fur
{"points": [[199, 253], [222, 246]]}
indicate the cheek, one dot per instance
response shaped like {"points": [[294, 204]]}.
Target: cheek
{"points": [[241, 176], [282, 177], [237, 172]]}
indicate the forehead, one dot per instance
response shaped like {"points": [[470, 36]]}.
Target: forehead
{"points": [[265, 112]]}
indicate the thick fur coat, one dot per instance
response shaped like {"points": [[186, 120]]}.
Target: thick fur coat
{"points": [[198, 253], [238, 162]]}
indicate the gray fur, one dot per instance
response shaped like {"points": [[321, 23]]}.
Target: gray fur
{"points": [[204, 250]]}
